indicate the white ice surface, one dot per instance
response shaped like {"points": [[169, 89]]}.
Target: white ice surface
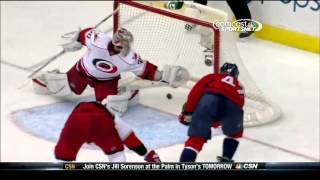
{"points": [[290, 77]]}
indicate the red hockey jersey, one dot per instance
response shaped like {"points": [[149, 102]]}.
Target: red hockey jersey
{"points": [[223, 84]]}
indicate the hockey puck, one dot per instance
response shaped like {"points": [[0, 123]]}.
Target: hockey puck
{"points": [[169, 96]]}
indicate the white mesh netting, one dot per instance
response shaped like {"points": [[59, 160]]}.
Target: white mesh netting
{"points": [[163, 40]]}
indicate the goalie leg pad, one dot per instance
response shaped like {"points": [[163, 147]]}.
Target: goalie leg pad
{"points": [[52, 83], [123, 128], [175, 76], [134, 98]]}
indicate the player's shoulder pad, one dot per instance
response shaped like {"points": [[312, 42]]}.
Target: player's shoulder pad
{"points": [[210, 76], [133, 58]]}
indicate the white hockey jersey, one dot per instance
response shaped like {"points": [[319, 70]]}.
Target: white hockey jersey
{"points": [[102, 63]]}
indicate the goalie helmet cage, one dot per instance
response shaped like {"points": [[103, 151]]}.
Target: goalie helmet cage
{"points": [[161, 38]]}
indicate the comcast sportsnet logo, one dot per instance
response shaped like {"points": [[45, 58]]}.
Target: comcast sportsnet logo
{"points": [[240, 25]]}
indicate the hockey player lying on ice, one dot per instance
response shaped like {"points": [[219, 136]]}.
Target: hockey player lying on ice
{"points": [[100, 68], [216, 99]]}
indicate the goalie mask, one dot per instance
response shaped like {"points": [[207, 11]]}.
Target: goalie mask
{"points": [[123, 40], [231, 69]]}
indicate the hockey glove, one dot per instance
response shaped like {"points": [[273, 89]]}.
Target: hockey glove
{"points": [[175, 76], [185, 119], [72, 43]]}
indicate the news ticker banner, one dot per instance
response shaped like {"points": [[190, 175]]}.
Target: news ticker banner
{"points": [[205, 166]]}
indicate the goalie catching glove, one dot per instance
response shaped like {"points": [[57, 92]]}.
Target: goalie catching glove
{"points": [[175, 76], [72, 43]]}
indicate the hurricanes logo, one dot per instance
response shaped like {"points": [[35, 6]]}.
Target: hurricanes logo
{"points": [[105, 66]]}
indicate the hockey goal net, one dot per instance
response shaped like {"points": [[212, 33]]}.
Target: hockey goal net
{"points": [[160, 37]]}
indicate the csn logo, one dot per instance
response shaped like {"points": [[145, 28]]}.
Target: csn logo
{"points": [[246, 166]]}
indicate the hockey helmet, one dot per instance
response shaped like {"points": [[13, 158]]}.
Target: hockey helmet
{"points": [[122, 38], [229, 68]]}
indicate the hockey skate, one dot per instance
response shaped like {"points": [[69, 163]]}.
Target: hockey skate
{"points": [[245, 34], [224, 159], [152, 156]]}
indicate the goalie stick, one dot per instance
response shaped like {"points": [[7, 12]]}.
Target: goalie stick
{"points": [[46, 63], [16, 66], [138, 83], [97, 25]]}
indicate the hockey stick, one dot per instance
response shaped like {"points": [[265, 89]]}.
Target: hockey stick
{"points": [[138, 83], [39, 69], [37, 64], [97, 25], [47, 62], [16, 66], [130, 20], [106, 18], [29, 68]]}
